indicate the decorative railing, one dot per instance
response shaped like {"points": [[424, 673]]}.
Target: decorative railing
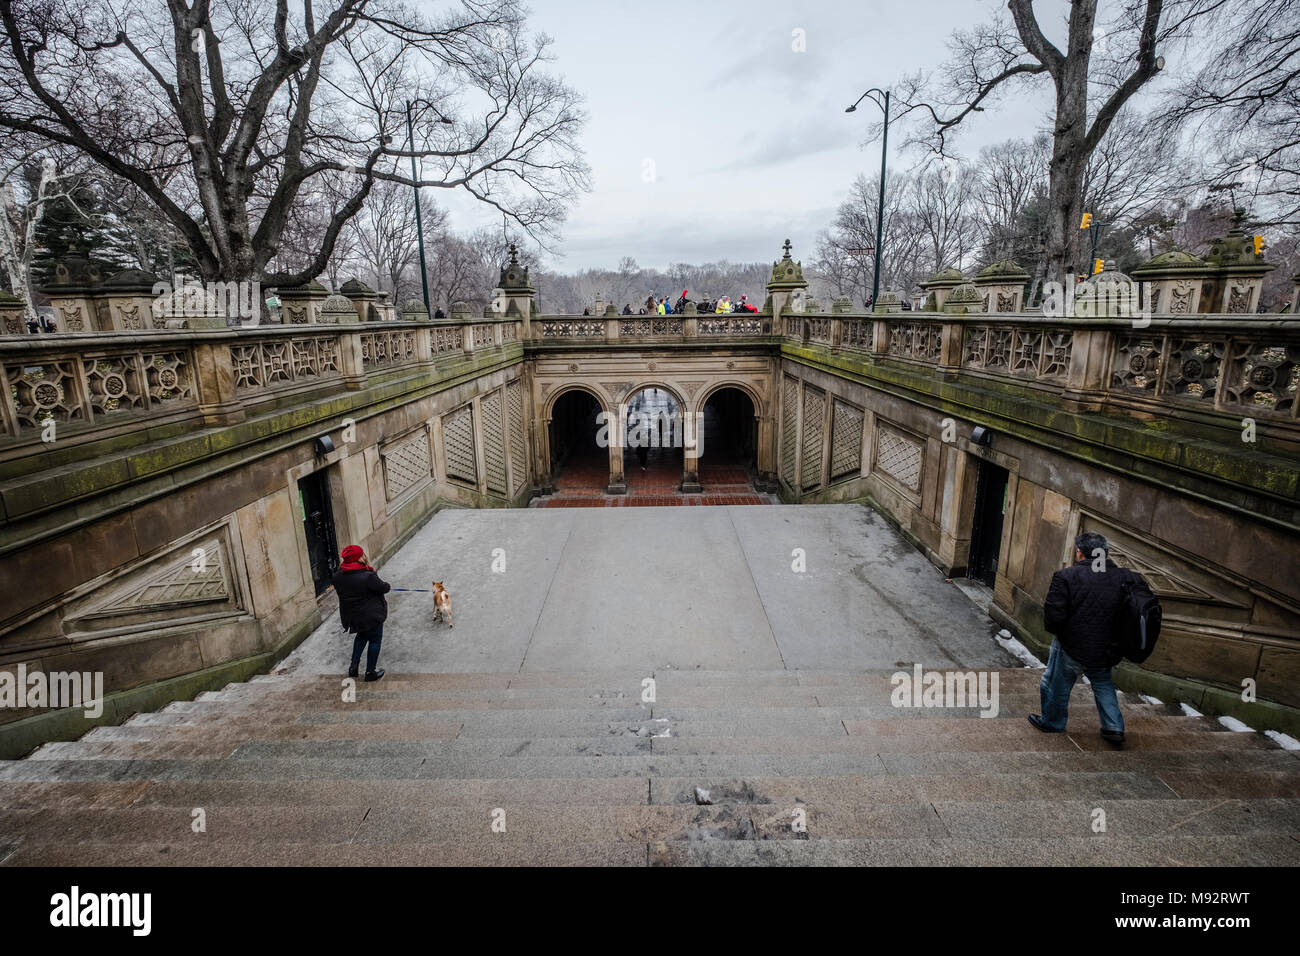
{"points": [[47, 386], [1026, 352], [917, 340], [265, 364], [389, 348], [1259, 372], [573, 329], [73, 384]]}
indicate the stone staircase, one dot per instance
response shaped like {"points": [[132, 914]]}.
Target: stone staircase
{"points": [[281, 770]]}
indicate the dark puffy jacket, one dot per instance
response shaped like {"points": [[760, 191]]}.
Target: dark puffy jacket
{"points": [[361, 599], [1080, 610]]}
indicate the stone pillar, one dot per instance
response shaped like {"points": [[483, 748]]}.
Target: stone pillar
{"points": [[11, 314], [1002, 287], [765, 453], [363, 298], [71, 294], [517, 293], [214, 379], [1173, 282], [1237, 272], [300, 305], [617, 480], [1295, 294], [785, 286], [938, 286], [125, 300]]}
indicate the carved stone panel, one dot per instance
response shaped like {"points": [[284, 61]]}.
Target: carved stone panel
{"points": [[814, 411], [846, 440], [494, 450], [406, 464], [458, 444], [789, 427], [899, 456]]}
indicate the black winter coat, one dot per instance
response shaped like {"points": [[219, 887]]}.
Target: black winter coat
{"points": [[361, 599], [1080, 610]]}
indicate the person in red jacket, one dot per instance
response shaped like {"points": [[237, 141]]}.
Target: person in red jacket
{"points": [[744, 305], [362, 608]]}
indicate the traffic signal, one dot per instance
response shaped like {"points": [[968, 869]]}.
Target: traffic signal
{"points": [[1087, 221], [1098, 265], [1259, 245]]}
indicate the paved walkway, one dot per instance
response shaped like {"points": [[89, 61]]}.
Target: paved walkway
{"points": [[664, 587]]}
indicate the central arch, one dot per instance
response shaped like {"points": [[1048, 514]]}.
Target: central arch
{"points": [[654, 439]]}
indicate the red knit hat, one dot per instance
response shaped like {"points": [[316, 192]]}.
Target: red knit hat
{"points": [[352, 554]]}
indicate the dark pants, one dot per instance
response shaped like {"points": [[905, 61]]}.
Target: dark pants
{"points": [[374, 638]]}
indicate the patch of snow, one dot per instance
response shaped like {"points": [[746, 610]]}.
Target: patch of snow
{"points": [[1232, 723], [1151, 700], [1190, 711], [1014, 647], [1286, 741]]}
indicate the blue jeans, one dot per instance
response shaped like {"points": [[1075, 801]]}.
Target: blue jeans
{"points": [[1058, 680], [374, 638]]}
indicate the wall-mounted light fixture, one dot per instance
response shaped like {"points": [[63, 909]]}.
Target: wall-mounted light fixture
{"points": [[323, 445], [981, 436]]}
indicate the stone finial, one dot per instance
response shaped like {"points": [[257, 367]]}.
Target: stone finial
{"points": [[939, 286], [413, 310], [787, 273], [337, 309], [460, 312], [611, 310], [514, 276], [841, 305], [889, 301], [1108, 294]]}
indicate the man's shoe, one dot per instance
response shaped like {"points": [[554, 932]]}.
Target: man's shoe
{"points": [[1037, 721], [1113, 736], [352, 671], [374, 675]]}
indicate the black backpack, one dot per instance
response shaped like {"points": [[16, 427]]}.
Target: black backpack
{"points": [[1137, 619]]}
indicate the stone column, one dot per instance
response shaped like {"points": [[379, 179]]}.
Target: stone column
{"points": [[617, 480], [214, 380]]}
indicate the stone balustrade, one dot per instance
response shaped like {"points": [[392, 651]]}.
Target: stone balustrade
{"points": [[78, 384]]}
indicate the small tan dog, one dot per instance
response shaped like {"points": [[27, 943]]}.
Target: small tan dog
{"points": [[441, 603]]}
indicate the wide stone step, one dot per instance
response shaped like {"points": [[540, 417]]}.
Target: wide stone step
{"points": [[527, 824], [647, 765], [262, 853], [1096, 850]]}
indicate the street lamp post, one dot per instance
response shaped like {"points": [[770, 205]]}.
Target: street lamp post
{"points": [[415, 184], [419, 224], [880, 209]]}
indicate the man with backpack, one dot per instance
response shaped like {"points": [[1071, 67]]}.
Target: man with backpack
{"points": [[1088, 608]]}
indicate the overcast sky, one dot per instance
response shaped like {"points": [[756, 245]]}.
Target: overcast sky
{"points": [[749, 140]]}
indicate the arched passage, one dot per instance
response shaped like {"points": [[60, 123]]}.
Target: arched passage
{"points": [[729, 438], [653, 454], [578, 461]]}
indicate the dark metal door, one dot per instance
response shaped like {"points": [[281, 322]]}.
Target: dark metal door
{"points": [[986, 534], [318, 523]]}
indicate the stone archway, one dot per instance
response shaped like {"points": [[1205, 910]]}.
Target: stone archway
{"points": [[654, 421], [729, 433], [759, 450], [574, 458]]}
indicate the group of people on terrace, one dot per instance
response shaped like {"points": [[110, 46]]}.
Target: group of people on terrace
{"points": [[720, 306]]}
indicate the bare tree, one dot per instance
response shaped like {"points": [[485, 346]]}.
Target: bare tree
{"points": [[226, 113], [1244, 107], [1100, 68], [385, 237]]}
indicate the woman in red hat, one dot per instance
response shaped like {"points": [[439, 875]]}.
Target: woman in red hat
{"points": [[362, 608]]}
